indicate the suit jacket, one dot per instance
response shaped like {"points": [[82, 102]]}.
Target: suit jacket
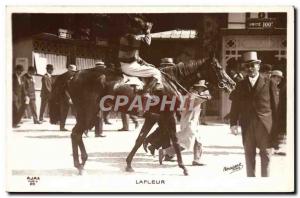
{"points": [[281, 111], [29, 86], [282, 108], [248, 102], [18, 91], [46, 86]]}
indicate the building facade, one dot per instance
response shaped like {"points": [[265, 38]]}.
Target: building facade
{"points": [[44, 48], [228, 38], [228, 35], [261, 32]]}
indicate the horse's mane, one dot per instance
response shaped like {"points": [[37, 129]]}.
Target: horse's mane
{"points": [[182, 69]]}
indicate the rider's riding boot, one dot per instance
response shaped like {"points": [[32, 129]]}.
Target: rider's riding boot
{"points": [[197, 153], [153, 85], [158, 87]]}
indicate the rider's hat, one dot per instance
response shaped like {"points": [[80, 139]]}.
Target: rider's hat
{"points": [[138, 22]]}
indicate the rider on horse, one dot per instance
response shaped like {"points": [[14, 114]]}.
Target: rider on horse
{"points": [[131, 63]]}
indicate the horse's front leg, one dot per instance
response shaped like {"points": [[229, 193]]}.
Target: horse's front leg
{"points": [[147, 126], [84, 155]]}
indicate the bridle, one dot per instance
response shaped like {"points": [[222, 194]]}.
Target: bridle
{"points": [[221, 83]]}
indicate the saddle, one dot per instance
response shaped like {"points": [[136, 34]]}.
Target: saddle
{"points": [[140, 84], [133, 81]]}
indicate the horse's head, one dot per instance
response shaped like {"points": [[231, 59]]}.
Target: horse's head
{"points": [[214, 73]]}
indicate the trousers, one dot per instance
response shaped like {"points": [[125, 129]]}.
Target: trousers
{"points": [[256, 136], [135, 69], [44, 103]]}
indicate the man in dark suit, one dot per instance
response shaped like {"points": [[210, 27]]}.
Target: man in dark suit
{"points": [[253, 107], [280, 105], [29, 87], [18, 95], [47, 82], [101, 116], [65, 100], [160, 139], [99, 124]]}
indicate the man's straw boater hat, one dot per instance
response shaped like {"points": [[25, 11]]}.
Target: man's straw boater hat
{"points": [[201, 83], [99, 63], [72, 67], [167, 62], [277, 73], [250, 57]]}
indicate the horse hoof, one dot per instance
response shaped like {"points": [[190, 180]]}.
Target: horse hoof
{"points": [[129, 169], [80, 169], [145, 146], [185, 172], [83, 162]]}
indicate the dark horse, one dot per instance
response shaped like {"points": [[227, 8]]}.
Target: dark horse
{"points": [[88, 87]]}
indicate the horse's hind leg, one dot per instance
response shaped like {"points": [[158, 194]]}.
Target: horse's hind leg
{"points": [[75, 146], [170, 127], [76, 137], [147, 126]]}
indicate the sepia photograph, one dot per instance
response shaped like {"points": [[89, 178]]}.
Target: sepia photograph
{"points": [[150, 99]]}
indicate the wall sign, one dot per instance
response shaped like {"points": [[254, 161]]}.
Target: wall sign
{"points": [[260, 23], [22, 61]]}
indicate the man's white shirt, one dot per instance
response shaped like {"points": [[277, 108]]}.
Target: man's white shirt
{"points": [[49, 75], [253, 80]]}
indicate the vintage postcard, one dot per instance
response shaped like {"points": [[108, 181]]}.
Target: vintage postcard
{"points": [[150, 99]]}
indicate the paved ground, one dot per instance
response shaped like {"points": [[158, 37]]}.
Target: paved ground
{"points": [[42, 150]]}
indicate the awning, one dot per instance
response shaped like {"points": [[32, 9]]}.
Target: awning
{"points": [[175, 34]]}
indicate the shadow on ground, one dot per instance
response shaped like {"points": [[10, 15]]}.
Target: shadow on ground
{"points": [[38, 130], [50, 136]]}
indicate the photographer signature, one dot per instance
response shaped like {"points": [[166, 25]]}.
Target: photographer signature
{"points": [[233, 168]]}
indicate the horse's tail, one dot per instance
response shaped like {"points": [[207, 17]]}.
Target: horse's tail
{"points": [[55, 99]]}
